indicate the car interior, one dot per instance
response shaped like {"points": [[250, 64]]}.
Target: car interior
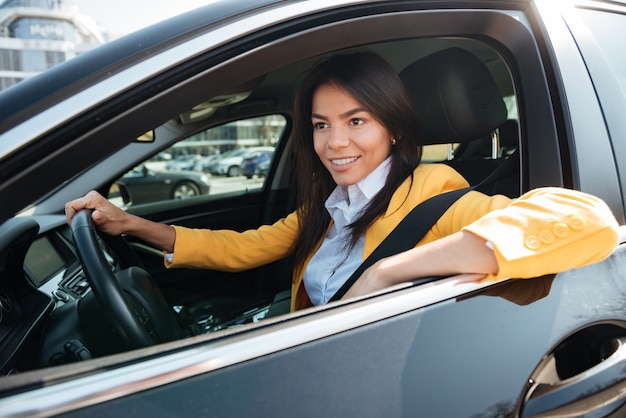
{"points": [[51, 279], [475, 132]]}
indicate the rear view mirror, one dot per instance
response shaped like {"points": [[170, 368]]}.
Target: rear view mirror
{"points": [[147, 137]]}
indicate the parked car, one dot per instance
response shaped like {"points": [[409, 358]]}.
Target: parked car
{"points": [[162, 156], [211, 166], [253, 163], [143, 185], [221, 344], [230, 165], [263, 168], [183, 163], [203, 164]]}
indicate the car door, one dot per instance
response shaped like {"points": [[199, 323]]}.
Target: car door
{"points": [[452, 347]]}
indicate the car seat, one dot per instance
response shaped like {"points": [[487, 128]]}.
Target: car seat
{"points": [[458, 101]]}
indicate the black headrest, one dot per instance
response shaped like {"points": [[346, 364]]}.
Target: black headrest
{"points": [[455, 96]]}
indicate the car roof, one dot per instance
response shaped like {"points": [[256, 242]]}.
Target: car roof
{"points": [[22, 100], [31, 100], [26, 98]]}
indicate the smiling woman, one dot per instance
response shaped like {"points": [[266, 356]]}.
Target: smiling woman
{"points": [[374, 83]]}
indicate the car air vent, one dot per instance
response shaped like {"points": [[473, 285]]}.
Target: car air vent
{"points": [[76, 285]]}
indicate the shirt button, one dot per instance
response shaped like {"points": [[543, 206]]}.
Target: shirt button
{"points": [[560, 229], [546, 237], [532, 242], [576, 222]]}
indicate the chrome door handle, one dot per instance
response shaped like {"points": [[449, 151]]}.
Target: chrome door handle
{"points": [[595, 388]]}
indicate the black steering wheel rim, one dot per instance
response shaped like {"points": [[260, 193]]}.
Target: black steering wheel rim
{"points": [[104, 284]]}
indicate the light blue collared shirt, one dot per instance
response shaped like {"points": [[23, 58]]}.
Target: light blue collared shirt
{"points": [[332, 264]]}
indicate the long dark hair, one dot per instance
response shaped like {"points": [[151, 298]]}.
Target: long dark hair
{"points": [[377, 87]]}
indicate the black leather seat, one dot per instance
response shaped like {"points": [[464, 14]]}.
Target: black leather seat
{"points": [[458, 101]]}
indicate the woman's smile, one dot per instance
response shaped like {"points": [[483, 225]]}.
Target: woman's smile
{"points": [[342, 162]]}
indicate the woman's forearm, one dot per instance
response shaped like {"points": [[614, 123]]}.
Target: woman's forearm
{"points": [[462, 252], [159, 235]]}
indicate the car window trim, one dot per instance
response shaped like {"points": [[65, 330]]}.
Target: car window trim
{"points": [[22, 134]]}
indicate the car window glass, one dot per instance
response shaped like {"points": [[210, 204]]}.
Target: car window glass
{"points": [[231, 157]]}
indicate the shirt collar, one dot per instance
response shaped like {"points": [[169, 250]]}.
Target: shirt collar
{"points": [[366, 188]]}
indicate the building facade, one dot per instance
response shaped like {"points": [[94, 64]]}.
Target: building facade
{"points": [[38, 34]]}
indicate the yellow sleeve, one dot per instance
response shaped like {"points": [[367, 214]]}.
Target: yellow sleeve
{"points": [[231, 251], [548, 230]]}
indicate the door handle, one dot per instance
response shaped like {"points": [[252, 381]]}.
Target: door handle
{"points": [[600, 386]]}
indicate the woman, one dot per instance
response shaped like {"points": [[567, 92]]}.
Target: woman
{"points": [[358, 151]]}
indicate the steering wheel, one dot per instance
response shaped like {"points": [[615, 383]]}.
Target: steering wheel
{"points": [[130, 298]]}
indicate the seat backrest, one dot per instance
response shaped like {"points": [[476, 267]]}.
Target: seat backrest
{"points": [[457, 101], [455, 96]]}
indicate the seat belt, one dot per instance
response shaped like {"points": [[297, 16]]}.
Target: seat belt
{"points": [[407, 233]]}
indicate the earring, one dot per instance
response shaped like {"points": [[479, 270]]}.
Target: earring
{"points": [[393, 141]]}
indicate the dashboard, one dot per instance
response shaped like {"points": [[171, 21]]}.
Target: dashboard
{"points": [[40, 275], [52, 266], [50, 316], [51, 263]]}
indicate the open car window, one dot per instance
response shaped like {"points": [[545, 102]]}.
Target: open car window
{"points": [[231, 157], [222, 158]]}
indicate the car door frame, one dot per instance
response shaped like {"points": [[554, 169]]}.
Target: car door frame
{"points": [[330, 325]]}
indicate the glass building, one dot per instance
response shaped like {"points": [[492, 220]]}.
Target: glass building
{"points": [[37, 34]]}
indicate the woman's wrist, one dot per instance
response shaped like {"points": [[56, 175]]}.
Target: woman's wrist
{"points": [[134, 225]]}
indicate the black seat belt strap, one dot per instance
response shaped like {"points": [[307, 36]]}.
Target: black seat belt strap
{"points": [[407, 233]]}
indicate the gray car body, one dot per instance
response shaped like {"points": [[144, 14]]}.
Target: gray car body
{"points": [[454, 347]]}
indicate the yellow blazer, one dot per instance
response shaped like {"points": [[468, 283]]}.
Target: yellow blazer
{"points": [[544, 231]]}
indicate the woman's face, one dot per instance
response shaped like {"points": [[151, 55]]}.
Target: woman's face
{"points": [[346, 137]]}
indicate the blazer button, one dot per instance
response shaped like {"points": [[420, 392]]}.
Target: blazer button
{"points": [[576, 222], [546, 237], [560, 229], [532, 242]]}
